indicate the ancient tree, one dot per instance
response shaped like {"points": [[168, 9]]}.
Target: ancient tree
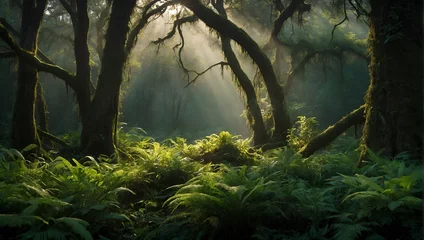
{"points": [[24, 129], [254, 114], [98, 106], [394, 109]]}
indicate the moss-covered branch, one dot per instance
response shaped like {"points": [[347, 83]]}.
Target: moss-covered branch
{"points": [[328, 135], [30, 59], [229, 29], [254, 116]]}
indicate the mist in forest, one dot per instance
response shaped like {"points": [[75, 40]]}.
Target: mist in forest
{"points": [[155, 96], [211, 119]]}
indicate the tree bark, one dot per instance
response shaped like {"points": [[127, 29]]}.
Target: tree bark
{"points": [[254, 117], [394, 113], [323, 139], [24, 131], [82, 57], [41, 108], [275, 91], [97, 135]]}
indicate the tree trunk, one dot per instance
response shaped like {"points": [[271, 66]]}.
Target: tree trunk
{"points": [[254, 117], [82, 58], [323, 139], [24, 131], [41, 108], [97, 134], [275, 91], [394, 113]]}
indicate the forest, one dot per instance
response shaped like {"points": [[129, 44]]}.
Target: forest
{"points": [[211, 119]]}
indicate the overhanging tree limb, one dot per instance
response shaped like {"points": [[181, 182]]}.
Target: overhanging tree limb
{"points": [[229, 29], [9, 28], [254, 114], [178, 22], [35, 62], [198, 74], [144, 20]]}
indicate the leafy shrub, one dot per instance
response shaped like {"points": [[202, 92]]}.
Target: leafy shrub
{"points": [[303, 131], [57, 200]]}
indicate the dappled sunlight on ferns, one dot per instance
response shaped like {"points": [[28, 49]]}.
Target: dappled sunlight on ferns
{"points": [[217, 188]]}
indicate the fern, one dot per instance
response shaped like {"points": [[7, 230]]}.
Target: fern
{"points": [[78, 226], [14, 220]]}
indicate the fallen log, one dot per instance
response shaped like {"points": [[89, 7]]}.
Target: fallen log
{"points": [[323, 139]]}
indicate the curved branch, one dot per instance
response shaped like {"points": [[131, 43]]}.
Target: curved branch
{"points": [[229, 29], [178, 22], [143, 21], [288, 12], [198, 74], [9, 28], [341, 22], [30, 59], [295, 5]]}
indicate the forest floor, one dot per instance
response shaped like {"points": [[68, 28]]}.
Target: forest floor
{"points": [[216, 188]]}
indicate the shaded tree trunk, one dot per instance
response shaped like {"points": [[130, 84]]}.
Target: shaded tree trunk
{"points": [[97, 134], [274, 89], [24, 130], [394, 113], [254, 117], [82, 57], [41, 108]]}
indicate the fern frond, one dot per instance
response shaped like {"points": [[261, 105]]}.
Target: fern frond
{"points": [[13, 220], [78, 226]]}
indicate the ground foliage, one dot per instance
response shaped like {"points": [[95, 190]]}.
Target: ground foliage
{"points": [[215, 188]]}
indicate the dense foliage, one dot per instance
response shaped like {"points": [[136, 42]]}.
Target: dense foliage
{"points": [[216, 188], [73, 71]]}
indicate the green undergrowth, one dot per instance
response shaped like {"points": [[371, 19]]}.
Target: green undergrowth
{"points": [[216, 188]]}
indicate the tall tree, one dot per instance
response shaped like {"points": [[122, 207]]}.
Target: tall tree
{"points": [[24, 131], [99, 115], [394, 108], [97, 135], [275, 91], [254, 117]]}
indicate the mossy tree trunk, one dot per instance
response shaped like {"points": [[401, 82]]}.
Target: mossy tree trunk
{"points": [[82, 57], [41, 108], [97, 134], [254, 117], [274, 89], [78, 13], [394, 113], [24, 130]]}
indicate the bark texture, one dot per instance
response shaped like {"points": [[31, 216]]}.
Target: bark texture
{"points": [[97, 134], [356, 117], [275, 91], [24, 131], [41, 108], [254, 117], [394, 113], [82, 57]]}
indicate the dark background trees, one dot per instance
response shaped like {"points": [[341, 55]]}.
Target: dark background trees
{"points": [[312, 57]]}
